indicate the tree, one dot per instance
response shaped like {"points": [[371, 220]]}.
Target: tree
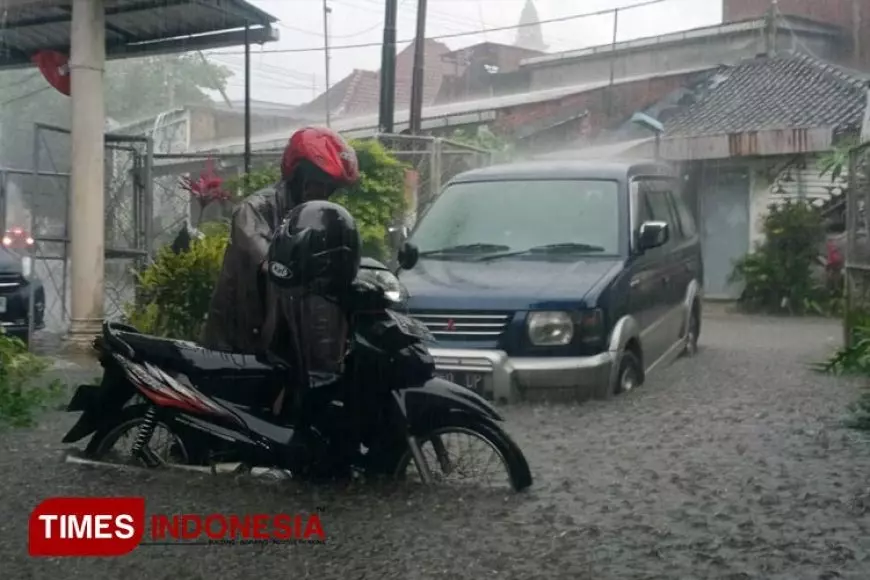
{"points": [[143, 87], [135, 89]]}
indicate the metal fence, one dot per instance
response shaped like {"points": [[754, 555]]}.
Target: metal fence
{"points": [[145, 204], [857, 269], [38, 200], [433, 162]]}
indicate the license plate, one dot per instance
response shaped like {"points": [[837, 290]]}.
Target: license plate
{"points": [[2, 304], [472, 381]]}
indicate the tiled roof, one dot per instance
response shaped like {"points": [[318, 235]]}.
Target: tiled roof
{"points": [[767, 93], [339, 93], [359, 92]]}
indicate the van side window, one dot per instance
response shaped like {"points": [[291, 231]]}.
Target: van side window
{"points": [[661, 210], [685, 216]]}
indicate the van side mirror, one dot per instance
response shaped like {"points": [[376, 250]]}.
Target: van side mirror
{"points": [[398, 235], [652, 235], [408, 256]]}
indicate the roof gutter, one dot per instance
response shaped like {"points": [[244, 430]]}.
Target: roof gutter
{"points": [[747, 144]]}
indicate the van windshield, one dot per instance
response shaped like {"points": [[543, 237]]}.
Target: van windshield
{"points": [[492, 217]]}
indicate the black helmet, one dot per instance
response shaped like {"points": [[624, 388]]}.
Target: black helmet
{"points": [[317, 247]]}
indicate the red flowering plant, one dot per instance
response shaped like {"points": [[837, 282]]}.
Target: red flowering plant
{"points": [[206, 189]]}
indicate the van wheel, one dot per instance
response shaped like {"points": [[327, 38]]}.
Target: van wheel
{"points": [[693, 331], [630, 375]]}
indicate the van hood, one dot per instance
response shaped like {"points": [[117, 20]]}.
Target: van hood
{"points": [[506, 284], [9, 262]]}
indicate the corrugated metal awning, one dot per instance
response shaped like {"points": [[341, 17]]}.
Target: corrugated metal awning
{"points": [[133, 27]]}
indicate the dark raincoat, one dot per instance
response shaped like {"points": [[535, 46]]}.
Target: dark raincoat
{"points": [[238, 308], [248, 315]]}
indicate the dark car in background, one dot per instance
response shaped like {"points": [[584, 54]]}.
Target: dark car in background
{"points": [[16, 285], [546, 276]]}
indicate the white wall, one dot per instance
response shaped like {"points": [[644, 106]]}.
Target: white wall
{"points": [[775, 179]]}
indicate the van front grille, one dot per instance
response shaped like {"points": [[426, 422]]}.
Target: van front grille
{"points": [[464, 325]]}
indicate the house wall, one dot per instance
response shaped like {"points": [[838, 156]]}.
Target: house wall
{"points": [[604, 107], [771, 180], [672, 52], [776, 179], [838, 12], [851, 15], [210, 125], [507, 58]]}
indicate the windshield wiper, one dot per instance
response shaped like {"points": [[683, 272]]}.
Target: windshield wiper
{"points": [[564, 248], [467, 249]]}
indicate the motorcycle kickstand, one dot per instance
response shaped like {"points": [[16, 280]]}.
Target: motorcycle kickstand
{"points": [[420, 461]]}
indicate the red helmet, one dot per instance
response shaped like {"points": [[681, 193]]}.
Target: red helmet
{"points": [[324, 149]]}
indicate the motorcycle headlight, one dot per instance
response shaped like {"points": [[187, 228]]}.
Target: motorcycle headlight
{"points": [[393, 289], [550, 328], [27, 267]]}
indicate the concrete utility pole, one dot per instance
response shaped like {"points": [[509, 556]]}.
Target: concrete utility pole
{"points": [[388, 69], [87, 220], [326, 12], [416, 116]]}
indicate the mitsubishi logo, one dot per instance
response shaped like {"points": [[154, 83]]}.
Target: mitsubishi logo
{"points": [[450, 326]]}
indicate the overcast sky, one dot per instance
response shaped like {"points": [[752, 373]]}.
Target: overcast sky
{"points": [[295, 77]]}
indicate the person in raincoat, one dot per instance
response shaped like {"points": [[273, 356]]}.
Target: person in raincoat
{"points": [[241, 316]]}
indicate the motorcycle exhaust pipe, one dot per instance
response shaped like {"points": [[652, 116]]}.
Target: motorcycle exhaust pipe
{"points": [[79, 460], [216, 469]]}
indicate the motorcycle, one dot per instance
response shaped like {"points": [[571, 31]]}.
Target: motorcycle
{"points": [[375, 418]]}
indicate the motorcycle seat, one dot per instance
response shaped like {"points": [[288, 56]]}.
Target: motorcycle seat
{"points": [[191, 358]]}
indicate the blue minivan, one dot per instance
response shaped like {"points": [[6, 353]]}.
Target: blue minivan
{"points": [[542, 277]]}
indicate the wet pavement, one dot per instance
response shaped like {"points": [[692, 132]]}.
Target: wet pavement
{"points": [[732, 464]]}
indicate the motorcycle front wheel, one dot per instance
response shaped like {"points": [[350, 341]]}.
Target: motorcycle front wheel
{"points": [[505, 466]]}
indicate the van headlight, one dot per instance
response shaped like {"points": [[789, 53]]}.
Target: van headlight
{"points": [[27, 267], [550, 328]]}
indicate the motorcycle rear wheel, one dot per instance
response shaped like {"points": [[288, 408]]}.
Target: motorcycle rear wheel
{"points": [[129, 421], [519, 475]]}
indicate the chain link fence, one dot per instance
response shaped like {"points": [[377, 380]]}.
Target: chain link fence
{"points": [[857, 269], [168, 134], [146, 205], [431, 163], [38, 200]]}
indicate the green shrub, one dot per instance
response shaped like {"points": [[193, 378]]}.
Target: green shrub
{"points": [[252, 182], [175, 290], [860, 413], [20, 397], [501, 149], [379, 198], [778, 274], [850, 360], [853, 360], [375, 202]]}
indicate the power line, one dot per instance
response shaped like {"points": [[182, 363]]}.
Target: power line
{"points": [[445, 19], [278, 73], [29, 77], [461, 34], [24, 96], [350, 35]]}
